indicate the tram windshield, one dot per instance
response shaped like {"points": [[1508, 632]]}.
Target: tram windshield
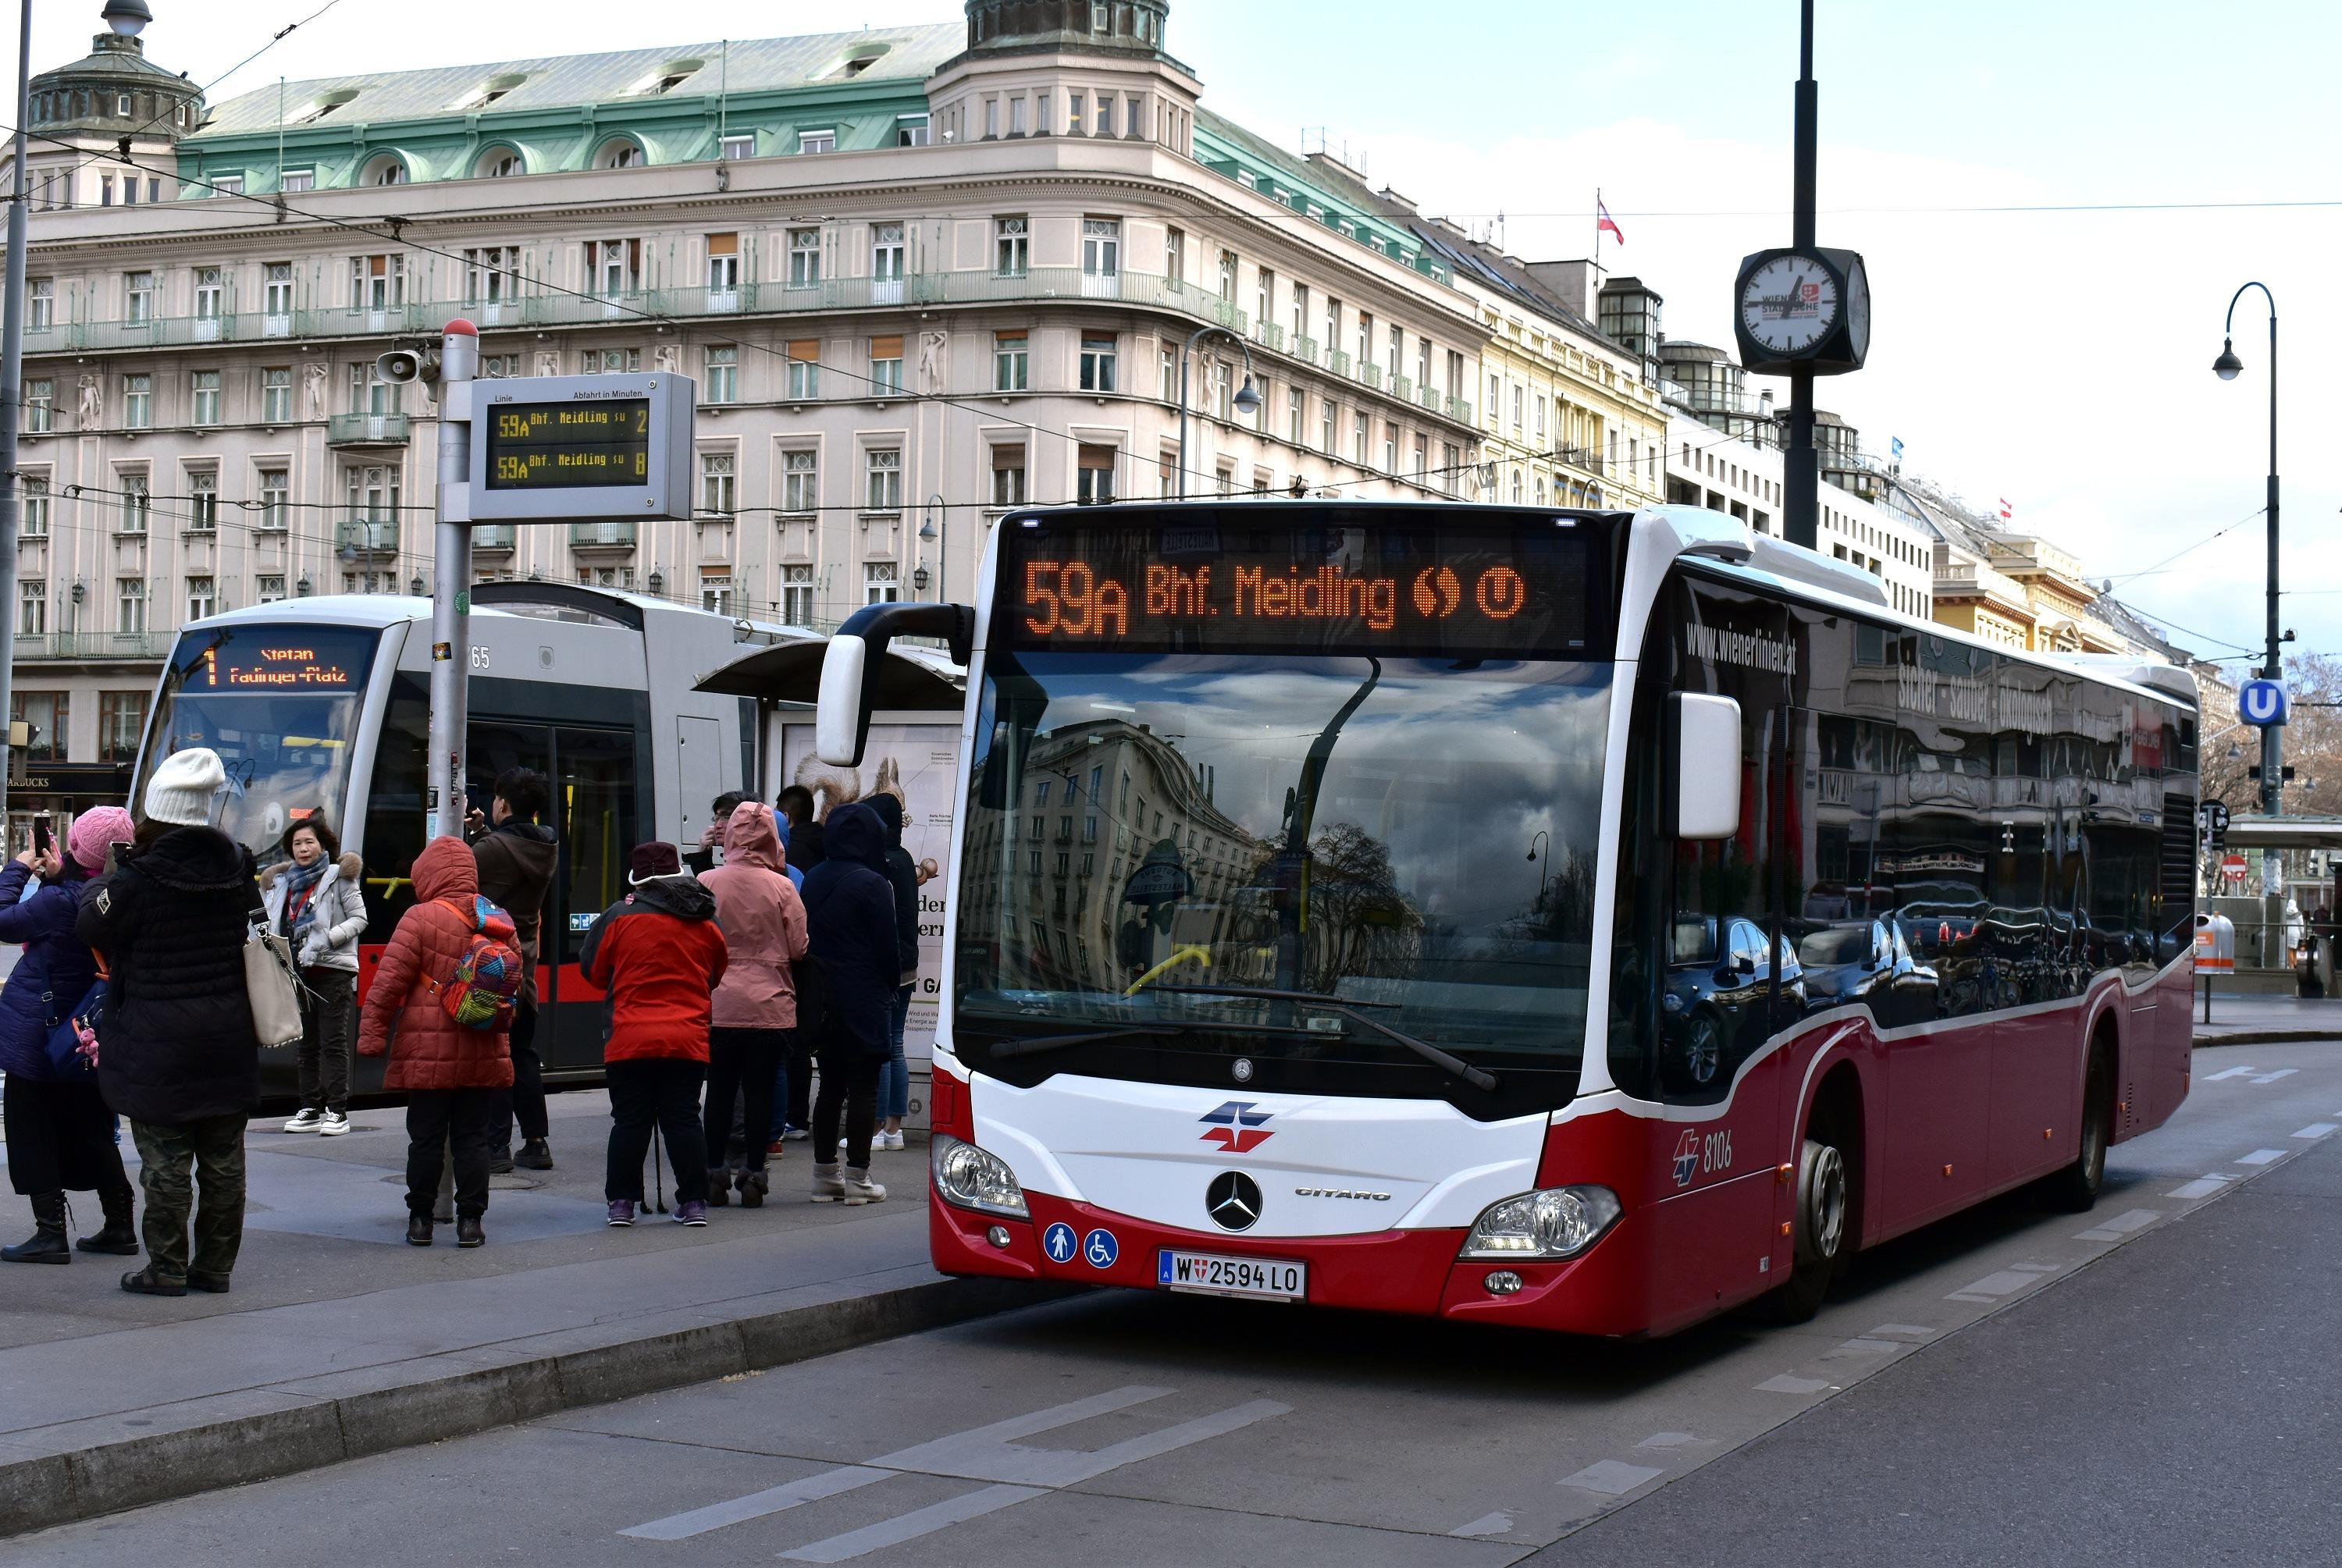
{"points": [[280, 705]]}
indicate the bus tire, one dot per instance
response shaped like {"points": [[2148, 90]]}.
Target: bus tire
{"points": [[2075, 1189], [1819, 1232]]}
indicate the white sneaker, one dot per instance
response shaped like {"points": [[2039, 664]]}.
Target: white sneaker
{"points": [[335, 1124], [860, 1189], [886, 1141], [796, 1135], [309, 1121]]}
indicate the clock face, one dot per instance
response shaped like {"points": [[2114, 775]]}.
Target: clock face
{"points": [[1789, 303], [1857, 310]]}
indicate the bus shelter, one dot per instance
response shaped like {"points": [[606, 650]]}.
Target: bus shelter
{"points": [[2276, 931]]}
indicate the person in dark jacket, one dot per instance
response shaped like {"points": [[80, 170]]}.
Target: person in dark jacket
{"points": [[517, 857], [903, 876], [850, 921], [314, 901], [60, 1134], [804, 837], [177, 1054], [659, 955]]}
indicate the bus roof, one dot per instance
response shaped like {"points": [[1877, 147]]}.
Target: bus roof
{"points": [[512, 597]]}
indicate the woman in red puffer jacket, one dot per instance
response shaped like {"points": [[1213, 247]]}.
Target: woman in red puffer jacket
{"points": [[451, 1074]]}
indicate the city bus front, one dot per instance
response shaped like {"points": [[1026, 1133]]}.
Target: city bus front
{"points": [[1274, 902]]}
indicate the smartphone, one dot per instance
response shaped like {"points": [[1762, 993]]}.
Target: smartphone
{"points": [[44, 837]]}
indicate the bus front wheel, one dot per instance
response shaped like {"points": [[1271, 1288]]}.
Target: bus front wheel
{"points": [[2075, 1189], [1819, 1232]]}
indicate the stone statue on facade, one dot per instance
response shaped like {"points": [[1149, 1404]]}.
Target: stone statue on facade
{"points": [[93, 402], [668, 359], [548, 362], [313, 382], [933, 350]]}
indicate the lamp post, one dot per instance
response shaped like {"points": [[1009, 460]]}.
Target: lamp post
{"points": [[1248, 400], [2227, 367], [929, 530]]}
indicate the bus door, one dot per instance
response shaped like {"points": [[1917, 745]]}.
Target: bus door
{"points": [[597, 813]]}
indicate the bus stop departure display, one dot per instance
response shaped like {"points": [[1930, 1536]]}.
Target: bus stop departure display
{"points": [[557, 445], [1220, 586]]}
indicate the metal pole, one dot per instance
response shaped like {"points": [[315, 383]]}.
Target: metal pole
{"points": [[451, 585], [1800, 471], [2273, 736], [1198, 336], [12, 383]]}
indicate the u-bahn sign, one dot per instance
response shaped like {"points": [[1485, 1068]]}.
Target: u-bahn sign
{"points": [[565, 447], [2262, 702]]}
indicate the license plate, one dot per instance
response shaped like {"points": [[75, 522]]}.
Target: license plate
{"points": [[1208, 1274]]}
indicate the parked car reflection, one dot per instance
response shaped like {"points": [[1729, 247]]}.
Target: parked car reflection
{"points": [[1718, 999], [1866, 964]]}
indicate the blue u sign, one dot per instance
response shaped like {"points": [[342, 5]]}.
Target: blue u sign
{"points": [[2263, 703]]}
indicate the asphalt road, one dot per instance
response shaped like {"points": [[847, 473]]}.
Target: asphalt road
{"points": [[2153, 1383]]}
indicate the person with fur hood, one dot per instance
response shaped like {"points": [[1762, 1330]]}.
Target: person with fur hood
{"points": [[755, 1007], [315, 903], [454, 1076]]}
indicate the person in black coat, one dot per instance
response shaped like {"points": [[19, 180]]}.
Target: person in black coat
{"points": [[850, 930], [903, 876], [176, 1053]]}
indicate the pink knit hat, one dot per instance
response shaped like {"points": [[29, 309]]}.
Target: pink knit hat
{"points": [[94, 830]]}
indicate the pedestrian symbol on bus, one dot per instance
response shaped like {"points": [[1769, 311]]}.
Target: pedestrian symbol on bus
{"points": [[1057, 1241], [2262, 702], [1101, 1249]]}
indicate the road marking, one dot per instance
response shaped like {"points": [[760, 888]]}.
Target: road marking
{"points": [[2272, 1077], [1861, 1347], [2114, 1230], [2231, 1072], [1666, 1440], [1787, 1385], [1992, 1286], [2261, 1157], [1611, 1477], [757, 1505], [2315, 1130], [1487, 1524], [1902, 1330], [2202, 1187], [912, 1526]]}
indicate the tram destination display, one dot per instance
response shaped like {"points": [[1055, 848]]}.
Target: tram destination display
{"points": [[569, 448]]}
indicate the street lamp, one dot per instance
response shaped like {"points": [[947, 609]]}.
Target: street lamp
{"points": [[1247, 401], [2227, 367], [930, 530]]}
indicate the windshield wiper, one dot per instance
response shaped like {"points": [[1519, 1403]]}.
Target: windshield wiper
{"points": [[1038, 1042], [1478, 1077]]}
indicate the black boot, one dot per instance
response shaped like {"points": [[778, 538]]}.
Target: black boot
{"points": [[753, 1187], [533, 1156], [47, 1242], [119, 1237], [418, 1228], [468, 1233], [151, 1280]]}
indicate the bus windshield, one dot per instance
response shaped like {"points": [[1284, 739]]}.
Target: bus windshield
{"points": [[280, 706]]}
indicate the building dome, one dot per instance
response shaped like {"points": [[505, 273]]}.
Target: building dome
{"points": [[115, 91], [1102, 26]]}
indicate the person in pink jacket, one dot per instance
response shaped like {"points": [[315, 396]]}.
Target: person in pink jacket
{"points": [[757, 1006]]}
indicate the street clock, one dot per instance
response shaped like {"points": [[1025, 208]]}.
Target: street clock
{"points": [[1805, 310]]}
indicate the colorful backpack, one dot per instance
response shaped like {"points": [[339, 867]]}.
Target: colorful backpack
{"points": [[486, 985]]}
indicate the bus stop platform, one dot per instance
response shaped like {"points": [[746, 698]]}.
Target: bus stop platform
{"points": [[339, 1340], [2252, 1020]]}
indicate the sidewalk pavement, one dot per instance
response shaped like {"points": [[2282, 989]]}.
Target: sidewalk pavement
{"points": [[2250, 1020], [339, 1340]]}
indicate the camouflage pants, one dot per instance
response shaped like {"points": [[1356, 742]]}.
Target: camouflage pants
{"points": [[211, 1151]]}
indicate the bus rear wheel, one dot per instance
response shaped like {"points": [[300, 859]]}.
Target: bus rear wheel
{"points": [[1819, 1232], [2075, 1189]]}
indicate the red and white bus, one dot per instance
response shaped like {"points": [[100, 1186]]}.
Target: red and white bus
{"points": [[1573, 919]]}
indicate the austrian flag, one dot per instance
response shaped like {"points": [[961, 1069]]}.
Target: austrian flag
{"points": [[1602, 220]]}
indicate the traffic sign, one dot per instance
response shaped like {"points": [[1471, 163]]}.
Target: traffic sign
{"points": [[2263, 703], [2232, 867], [2215, 814]]}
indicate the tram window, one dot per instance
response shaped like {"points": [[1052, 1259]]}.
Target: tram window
{"points": [[594, 798], [395, 823]]}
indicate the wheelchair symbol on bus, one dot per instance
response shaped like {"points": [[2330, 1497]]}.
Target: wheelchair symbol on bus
{"points": [[1101, 1249], [1057, 1241]]}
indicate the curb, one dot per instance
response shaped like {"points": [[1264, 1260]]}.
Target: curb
{"points": [[2244, 1035], [229, 1440]]}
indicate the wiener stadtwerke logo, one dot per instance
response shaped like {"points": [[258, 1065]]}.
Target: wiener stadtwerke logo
{"points": [[1236, 1127]]}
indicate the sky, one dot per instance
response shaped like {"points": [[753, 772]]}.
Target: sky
{"points": [[2059, 359]]}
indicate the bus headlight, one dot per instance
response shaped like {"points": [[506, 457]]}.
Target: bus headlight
{"points": [[974, 1179], [1551, 1222]]}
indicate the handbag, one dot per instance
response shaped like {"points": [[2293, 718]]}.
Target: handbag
{"points": [[63, 1043], [273, 987]]}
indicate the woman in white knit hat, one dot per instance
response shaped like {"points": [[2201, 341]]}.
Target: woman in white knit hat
{"points": [[178, 1057]]}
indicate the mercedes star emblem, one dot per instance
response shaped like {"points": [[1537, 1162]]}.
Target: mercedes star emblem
{"points": [[1243, 1070], [1233, 1200]]}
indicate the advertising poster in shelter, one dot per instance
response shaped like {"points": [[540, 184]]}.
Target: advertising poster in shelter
{"points": [[918, 764]]}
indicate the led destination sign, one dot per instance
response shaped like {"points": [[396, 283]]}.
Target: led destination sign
{"points": [[1406, 588], [543, 447], [261, 660]]}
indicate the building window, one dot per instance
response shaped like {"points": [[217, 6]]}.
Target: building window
{"points": [[277, 289], [377, 283], [206, 386], [1101, 247], [797, 596], [1008, 476], [202, 503], [817, 141], [371, 493], [137, 401], [1008, 362], [40, 304], [32, 608], [614, 267], [295, 180], [40, 407], [1166, 374], [723, 377], [138, 297], [1359, 438], [884, 491], [1097, 364], [1175, 255], [276, 500], [203, 597], [121, 720], [1326, 426], [910, 130], [1449, 463], [268, 587], [1390, 448], [805, 369], [1105, 114], [887, 252], [208, 293], [1296, 406], [879, 585], [1095, 477], [277, 395], [804, 257], [35, 507], [715, 590], [105, 190], [737, 147], [46, 716], [1012, 246], [130, 604], [492, 274], [800, 482], [137, 505], [717, 494], [885, 366], [1422, 455]]}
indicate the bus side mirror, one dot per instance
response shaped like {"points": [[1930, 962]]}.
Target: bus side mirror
{"points": [[856, 656], [1704, 751]]}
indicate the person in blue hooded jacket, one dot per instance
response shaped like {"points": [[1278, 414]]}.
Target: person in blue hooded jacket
{"points": [[850, 922]]}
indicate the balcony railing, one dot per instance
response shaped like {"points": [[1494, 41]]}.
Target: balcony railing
{"points": [[493, 536], [1430, 399], [1269, 334], [1581, 458], [362, 536], [1372, 374], [1403, 389], [366, 430], [1341, 364], [1306, 348], [1460, 409], [617, 533], [92, 645]]}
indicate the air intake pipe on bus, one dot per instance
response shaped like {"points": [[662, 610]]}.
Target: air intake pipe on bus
{"points": [[855, 659]]}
